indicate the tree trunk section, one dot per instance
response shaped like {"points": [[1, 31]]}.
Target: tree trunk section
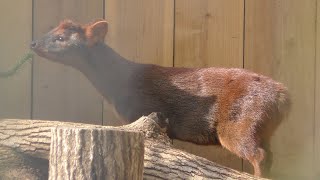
{"points": [[161, 161], [95, 153], [15, 165]]}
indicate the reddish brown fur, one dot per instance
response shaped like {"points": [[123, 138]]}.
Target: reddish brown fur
{"points": [[67, 24], [232, 107]]}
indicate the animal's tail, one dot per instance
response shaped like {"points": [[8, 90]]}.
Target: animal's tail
{"points": [[283, 101]]}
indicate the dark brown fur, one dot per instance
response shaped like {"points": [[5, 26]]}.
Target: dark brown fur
{"points": [[232, 107]]}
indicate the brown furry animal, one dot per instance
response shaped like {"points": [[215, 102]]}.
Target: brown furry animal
{"points": [[235, 108]]}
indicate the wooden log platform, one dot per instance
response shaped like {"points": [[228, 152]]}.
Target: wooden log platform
{"points": [[25, 150]]}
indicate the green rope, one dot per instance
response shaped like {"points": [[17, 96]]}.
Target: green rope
{"points": [[12, 71]]}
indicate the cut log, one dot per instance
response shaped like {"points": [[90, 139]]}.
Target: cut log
{"points": [[15, 165], [95, 153], [161, 161]]}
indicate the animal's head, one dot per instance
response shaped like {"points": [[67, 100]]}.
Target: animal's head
{"points": [[69, 42]]}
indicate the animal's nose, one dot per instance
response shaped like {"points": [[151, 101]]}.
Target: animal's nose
{"points": [[33, 44]]}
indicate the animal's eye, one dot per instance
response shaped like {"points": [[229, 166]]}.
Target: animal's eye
{"points": [[60, 38]]}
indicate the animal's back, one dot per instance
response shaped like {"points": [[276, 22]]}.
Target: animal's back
{"points": [[202, 104]]}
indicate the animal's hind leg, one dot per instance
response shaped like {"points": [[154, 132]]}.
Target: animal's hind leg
{"points": [[242, 140], [254, 154], [257, 159], [261, 161]]}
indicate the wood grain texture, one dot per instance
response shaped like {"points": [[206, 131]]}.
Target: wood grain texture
{"points": [[316, 164], [14, 165], [216, 154], [95, 153], [280, 42], [161, 160], [60, 92], [141, 31], [15, 37], [209, 33]]}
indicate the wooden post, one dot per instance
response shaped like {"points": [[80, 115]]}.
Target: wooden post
{"points": [[95, 153]]}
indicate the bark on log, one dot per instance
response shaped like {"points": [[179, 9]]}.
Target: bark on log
{"points": [[95, 153], [161, 161]]}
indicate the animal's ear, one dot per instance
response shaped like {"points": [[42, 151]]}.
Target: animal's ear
{"points": [[96, 32]]}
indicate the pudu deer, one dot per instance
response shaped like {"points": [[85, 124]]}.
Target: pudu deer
{"points": [[235, 108]]}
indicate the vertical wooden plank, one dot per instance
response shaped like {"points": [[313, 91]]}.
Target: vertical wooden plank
{"points": [[209, 33], [60, 92], [142, 31], [15, 37], [280, 42], [317, 105]]}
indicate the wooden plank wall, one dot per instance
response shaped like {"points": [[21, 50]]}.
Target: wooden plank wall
{"points": [[15, 35], [316, 164], [209, 33], [280, 42], [278, 38]]}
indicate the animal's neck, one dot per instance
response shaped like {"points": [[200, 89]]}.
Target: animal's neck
{"points": [[108, 71]]}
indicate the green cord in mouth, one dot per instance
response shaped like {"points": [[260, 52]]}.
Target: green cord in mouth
{"points": [[27, 57]]}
